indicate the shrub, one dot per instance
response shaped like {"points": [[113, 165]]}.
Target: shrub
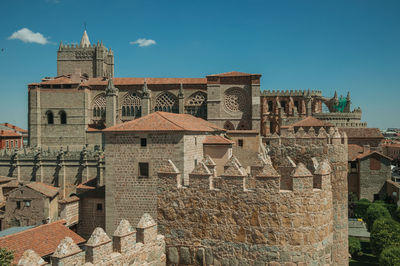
{"points": [[6, 256], [354, 246], [385, 232], [360, 208], [390, 256], [374, 212]]}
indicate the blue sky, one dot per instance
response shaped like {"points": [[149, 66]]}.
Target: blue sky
{"points": [[349, 45]]}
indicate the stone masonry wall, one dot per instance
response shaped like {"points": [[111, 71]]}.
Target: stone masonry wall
{"points": [[127, 247], [301, 147], [233, 226], [128, 196], [373, 181]]}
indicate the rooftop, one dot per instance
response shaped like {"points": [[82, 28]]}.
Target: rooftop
{"points": [[217, 140], [311, 121], [14, 127], [9, 133], [43, 239], [163, 121], [363, 132], [233, 74], [357, 152], [45, 189]]}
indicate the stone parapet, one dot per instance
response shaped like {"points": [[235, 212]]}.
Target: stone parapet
{"points": [[99, 249], [300, 93]]}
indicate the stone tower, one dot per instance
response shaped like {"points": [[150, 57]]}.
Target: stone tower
{"points": [[85, 59]]}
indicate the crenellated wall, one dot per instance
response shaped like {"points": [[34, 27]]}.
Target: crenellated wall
{"points": [[127, 247], [246, 218], [301, 147]]}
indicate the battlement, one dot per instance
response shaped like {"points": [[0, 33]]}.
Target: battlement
{"points": [[298, 93], [261, 176], [142, 246], [83, 47]]}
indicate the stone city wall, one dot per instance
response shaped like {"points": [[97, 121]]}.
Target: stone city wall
{"points": [[301, 147], [240, 219], [127, 247]]}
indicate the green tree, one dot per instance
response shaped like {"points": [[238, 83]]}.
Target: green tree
{"points": [[385, 232], [374, 212], [354, 246], [390, 256], [6, 257], [397, 214]]}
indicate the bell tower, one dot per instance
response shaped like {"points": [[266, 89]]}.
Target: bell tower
{"points": [[86, 59]]}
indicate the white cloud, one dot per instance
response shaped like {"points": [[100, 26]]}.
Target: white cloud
{"points": [[26, 35], [142, 42]]}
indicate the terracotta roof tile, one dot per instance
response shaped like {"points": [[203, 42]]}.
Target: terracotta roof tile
{"points": [[14, 127], [219, 140], [353, 151], [45, 189], [232, 74], [9, 133], [60, 80], [140, 81], [311, 121], [43, 239], [69, 199], [357, 152], [248, 131], [357, 133], [162, 121]]}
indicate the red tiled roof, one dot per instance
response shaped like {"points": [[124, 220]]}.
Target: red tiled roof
{"points": [[45, 189], [357, 152], [311, 121], [69, 199], [219, 140], [43, 239], [247, 131], [11, 126], [61, 80], [363, 132], [163, 121], [9, 133], [232, 74]]}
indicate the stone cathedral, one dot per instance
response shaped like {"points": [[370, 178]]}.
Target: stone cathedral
{"points": [[85, 97]]}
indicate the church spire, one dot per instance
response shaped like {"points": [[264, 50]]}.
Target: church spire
{"points": [[85, 40]]}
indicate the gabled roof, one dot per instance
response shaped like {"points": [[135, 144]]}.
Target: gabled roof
{"points": [[45, 189], [311, 121], [43, 239], [217, 140], [357, 152], [363, 132], [232, 74], [163, 121]]}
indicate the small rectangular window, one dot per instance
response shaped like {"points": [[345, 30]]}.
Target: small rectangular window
{"points": [[240, 143], [143, 169], [27, 203], [353, 165], [18, 205], [143, 142], [195, 162], [99, 207], [7, 144]]}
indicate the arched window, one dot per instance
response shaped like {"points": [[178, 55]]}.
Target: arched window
{"points": [[196, 105], [99, 107], [50, 117], [167, 102], [243, 125], [228, 126], [63, 117], [131, 106]]}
